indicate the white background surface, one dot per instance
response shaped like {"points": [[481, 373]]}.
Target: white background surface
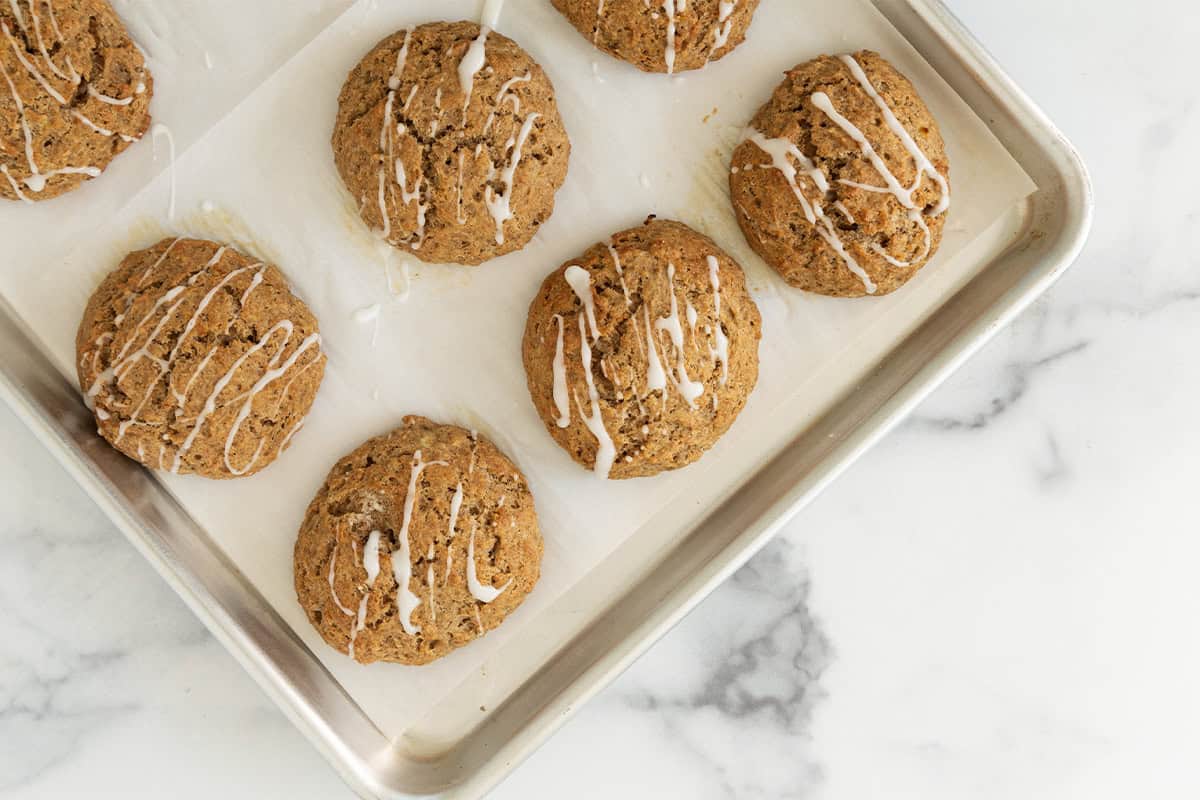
{"points": [[997, 602]]}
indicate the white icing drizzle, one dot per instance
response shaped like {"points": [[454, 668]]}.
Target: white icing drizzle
{"points": [[16, 10], [112, 101], [210, 404], [721, 351], [481, 592], [125, 360], [287, 437], [781, 151], [580, 281], [671, 7], [656, 377], [371, 565], [845, 212], [367, 313], [620, 274], [429, 556], [74, 77], [599, 18], [723, 27], [388, 133], [561, 399], [271, 375], [605, 450], [924, 165], [33, 71], [505, 94], [145, 276], [33, 168], [458, 215], [16, 187], [332, 591], [491, 13], [688, 389], [472, 61], [437, 117], [181, 397], [455, 507], [499, 205], [406, 601]]}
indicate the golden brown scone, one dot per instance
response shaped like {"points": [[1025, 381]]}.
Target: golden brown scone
{"points": [[449, 139], [197, 358], [662, 35], [420, 541], [75, 92], [640, 353], [842, 182]]}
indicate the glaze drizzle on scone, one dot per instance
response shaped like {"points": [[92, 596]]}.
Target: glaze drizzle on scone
{"points": [[646, 346], [57, 106]]}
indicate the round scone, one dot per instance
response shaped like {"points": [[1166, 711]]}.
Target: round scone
{"points": [[449, 139], [664, 35], [76, 92], [640, 354], [841, 182], [420, 541], [196, 358]]}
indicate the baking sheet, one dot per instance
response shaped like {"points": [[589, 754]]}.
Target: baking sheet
{"points": [[448, 344]]}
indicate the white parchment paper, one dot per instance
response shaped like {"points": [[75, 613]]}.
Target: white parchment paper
{"points": [[446, 341]]}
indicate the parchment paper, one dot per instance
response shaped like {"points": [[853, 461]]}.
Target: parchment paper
{"points": [[448, 339]]}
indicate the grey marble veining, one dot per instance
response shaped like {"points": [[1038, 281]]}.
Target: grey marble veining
{"points": [[997, 602]]}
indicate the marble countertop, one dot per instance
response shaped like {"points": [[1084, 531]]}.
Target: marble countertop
{"points": [[1009, 616]]}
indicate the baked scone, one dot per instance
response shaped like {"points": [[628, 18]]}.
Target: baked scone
{"points": [[449, 139], [76, 92], [841, 182], [640, 353], [662, 35], [196, 358], [420, 541]]}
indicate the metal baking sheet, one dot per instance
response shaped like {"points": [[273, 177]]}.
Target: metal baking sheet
{"points": [[613, 614]]}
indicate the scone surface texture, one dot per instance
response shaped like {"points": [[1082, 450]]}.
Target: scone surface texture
{"points": [[419, 542], [75, 93], [450, 143], [640, 353], [664, 35], [196, 358], [841, 182]]}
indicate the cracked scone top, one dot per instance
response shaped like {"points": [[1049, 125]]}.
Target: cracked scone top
{"points": [[640, 353], [841, 182], [196, 358], [662, 35], [75, 93], [420, 541], [450, 142]]}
